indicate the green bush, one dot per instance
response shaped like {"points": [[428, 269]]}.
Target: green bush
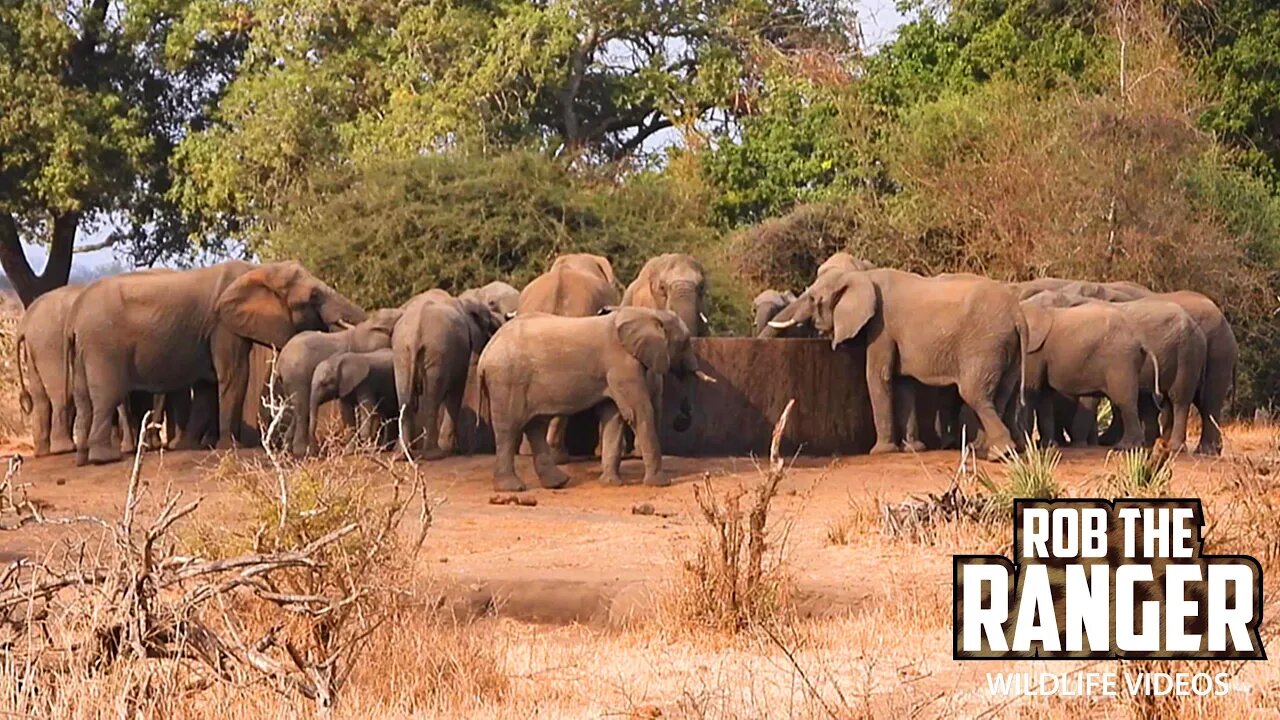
{"points": [[383, 233]]}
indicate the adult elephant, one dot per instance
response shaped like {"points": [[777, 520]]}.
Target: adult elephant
{"points": [[1222, 349], [432, 349], [799, 307], [296, 364], [500, 297], [576, 285], [1084, 350], [542, 366], [166, 331], [766, 307], [675, 282], [966, 332]]}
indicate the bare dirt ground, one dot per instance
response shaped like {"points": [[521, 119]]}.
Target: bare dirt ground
{"points": [[569, 592]]}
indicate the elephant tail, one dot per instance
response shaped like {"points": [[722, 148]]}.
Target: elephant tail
{"points": [[1155, 364], [1024, 336], [24, 395]]}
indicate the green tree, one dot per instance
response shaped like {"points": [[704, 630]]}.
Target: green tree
{"points": [[91, 106], [593, 80]]}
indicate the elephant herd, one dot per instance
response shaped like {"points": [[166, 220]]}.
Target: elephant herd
{"points": [[958, 350], [945, 355], [91, 358]]}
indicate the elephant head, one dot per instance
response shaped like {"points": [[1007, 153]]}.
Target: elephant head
{"points": [[500, 297], [662, 343], [588, 263], [767, 305], [674, 282], [483, 321], [798, 312], [839, 303], [275, 301], [375, 332], [844, 261]]}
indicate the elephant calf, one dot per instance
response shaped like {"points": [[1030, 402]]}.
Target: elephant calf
{"points": [[542, 366], [364, 381]]}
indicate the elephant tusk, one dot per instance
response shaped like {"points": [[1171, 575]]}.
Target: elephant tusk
{"points": [[511, 314], [782, 324], [705, 321], [344, 324], [704, 377]]}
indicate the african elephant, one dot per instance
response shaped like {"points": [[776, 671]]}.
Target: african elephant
{"points": [[767, 305], [363, 381], [166, 331], [1120, 290], [1082, 350], [296, 364], [675, 282], [499, 296], [540, 366], [799, 306], [576, 285], [433, 345], [1179, 351], [970, 333]]}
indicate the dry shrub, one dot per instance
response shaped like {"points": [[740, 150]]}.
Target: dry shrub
{"points": [[736, 578], [13, 423]]}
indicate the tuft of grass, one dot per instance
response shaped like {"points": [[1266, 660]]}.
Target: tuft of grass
{"points": [[1140, 472], [1029, 474]]}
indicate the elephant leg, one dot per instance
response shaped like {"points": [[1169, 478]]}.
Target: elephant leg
{"points": [[231, 362], [507, 430], [633, 398], [83, 420], [611, 431], [302, 438], [42, 420], [128, 426], [432, 399], [996, 440], [200, 428], [555, 438], [1175, 432], [905, 397], [880, 370], [61, 421], [369, 422], [1123, 393], [453, 412], [1084, 422], [543, 463], [1210, 402], [1046, 423]]}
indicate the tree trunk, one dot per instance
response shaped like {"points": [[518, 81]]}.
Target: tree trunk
{"points": [[57, 271]]}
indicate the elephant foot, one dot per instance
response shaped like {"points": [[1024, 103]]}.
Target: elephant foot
{"points": [[433, 454], [559, 456], [657, 479], [186, 443], [914, 446], [226, 444], [884, 448], [103, 455], [999, 452], [59, 446], [611, 478], [42, 449], [508, 482], [1210, 449], [553, 478], [82, 457]]}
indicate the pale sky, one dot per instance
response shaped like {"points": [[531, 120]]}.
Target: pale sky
{"points": [[880, 20]]}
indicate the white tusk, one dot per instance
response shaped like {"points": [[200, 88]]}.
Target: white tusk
{"points": [[704, 377], [705, 321], [782, 324], [511, 314], [344, 324]]}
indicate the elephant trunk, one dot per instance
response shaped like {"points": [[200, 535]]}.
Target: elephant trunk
{"points": [[764, 313], [686, 303], [797, 313], [324, 387], [337, 312]]}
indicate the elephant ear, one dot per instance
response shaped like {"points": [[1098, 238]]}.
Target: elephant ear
{"points": [[856, 306], [643, 335], [1039, 322], [606, 267], [482, 322], [351, 373], [251, 308]]}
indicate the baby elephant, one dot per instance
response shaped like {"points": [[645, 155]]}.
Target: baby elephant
{"points": [[359, 380], [541, 366]]}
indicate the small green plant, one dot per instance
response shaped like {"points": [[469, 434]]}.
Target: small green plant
{"points": [[1140, 472], [1028, 474]]}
